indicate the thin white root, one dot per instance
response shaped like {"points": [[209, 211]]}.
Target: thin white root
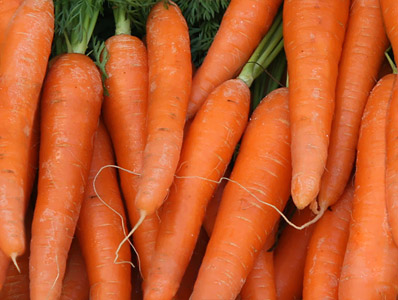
{"points": [[14, 260]]}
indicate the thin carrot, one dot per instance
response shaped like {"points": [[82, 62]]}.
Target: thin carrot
{"points": [[313, 33], [390, 14], [75, 285], [206, 152], [70, 109], [170, 76], [370, 267], [124, 110], [100, 230], [363, 53], [260, 284], [289, 257], [326, 250], [243, 25], [244, 222], [23, 63]]}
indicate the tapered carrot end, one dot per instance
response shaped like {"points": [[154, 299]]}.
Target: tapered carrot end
{"points": [[304, 191], [14, 260]]}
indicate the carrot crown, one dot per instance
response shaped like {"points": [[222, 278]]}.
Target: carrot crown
{"points": [[75, 24], [265, 53]]}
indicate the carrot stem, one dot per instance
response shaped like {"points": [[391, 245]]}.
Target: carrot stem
{"points": [[122, 21], [391, 62], [265, 53]]}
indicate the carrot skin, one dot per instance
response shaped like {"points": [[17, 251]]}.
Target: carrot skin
{"points": [[75, 285], [243, 25], [389, 11], [243, 223], [206, 153], [8, 9], [125, 110], [100, 229], [70, 109], [370, 267], [170, 77], [313, 36], [361, 58], [23, 63], [326, 250], [289, 257]]}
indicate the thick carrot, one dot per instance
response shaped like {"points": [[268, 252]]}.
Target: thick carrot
{"points": [[124, 111], [260, 284], [7, 11], [70, 110], [100, 230], [75, 285], [326, 250], [370, 267], [243, 25], [170, 76], [244, 222], [23, 63], [361, 58], [313, 33], [289, 257], [390, 15], [206, 152]]}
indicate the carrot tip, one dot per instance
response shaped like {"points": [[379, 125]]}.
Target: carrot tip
{"points": [[14, 260]]}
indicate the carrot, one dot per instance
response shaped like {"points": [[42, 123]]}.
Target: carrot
{"points": [[23, 63], [124, 110], [326, 250], [313, 49], [189, 278], [243, 25], [244, 222], [7, 11], [361, 58], [390, 13], [70, 109], [170, 76], [289, 257], [260, 283], [211, 138], [370, 267], [100, 231], [75, 285]]}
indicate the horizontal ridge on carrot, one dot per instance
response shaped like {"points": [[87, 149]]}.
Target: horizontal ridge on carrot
{"points": [[244, 222], [243, 25], [170, 76], [314, 33]]}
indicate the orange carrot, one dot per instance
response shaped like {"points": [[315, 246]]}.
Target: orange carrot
{"points": [[363, 53], [206, 152], [260, 283], [7, 11], [170, 76], [23, 63], [75, 285], [326, 250], [100, 230], [289, 257], [390, 14], [370, 267], [243, 25], [244, 222], [313, 33], [70, 110], [124, 112]]}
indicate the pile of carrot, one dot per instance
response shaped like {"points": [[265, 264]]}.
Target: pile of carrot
{"points": [[128, 173]]}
